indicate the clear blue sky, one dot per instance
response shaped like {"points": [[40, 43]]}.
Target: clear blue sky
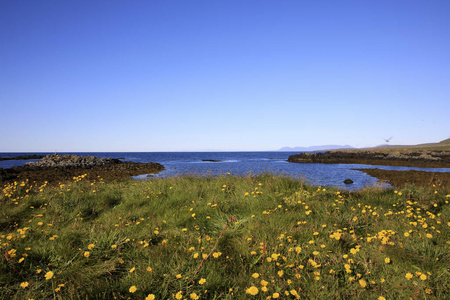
{"points": [[222, 75]]}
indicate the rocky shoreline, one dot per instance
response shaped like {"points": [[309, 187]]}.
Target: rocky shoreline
{"points": [[425, 159], [400, 179], [60, 168]]}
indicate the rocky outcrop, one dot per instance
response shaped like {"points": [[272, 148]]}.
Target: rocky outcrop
{"points": [[60, 168], [70, 162], [432, 159]]}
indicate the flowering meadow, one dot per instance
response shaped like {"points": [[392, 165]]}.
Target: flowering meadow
{"points": [[225, 237]]}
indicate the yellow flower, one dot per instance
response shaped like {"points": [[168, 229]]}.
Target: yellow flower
{"points": [[179, 295], [113, 246], [91, 246], [178, 276], [406, 234], [150, 297], [263, 282], [316, 253], [132, 269], [429, 235], [253, 290], [132, 289], [149, 269], [255, 275], [409, 276], [202, 281], [423, 277], [387, 260], [49, 275], [24, 284], [86, 254], [193, 296], [381, 298], [280, 273], [362, 283], [276, 295]]}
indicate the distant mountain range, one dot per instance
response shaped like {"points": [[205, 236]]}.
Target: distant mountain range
{"points": [[316, 148]]}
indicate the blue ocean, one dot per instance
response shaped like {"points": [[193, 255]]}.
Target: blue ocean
{"points": [[242, 163]]}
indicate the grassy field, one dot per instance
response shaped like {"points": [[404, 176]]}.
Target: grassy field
{"points": [[226, 237]]}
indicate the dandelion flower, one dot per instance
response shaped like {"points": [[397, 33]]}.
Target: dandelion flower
{"points": [[280, 273], [255, 275], [276, 295], [387, 260], [381, 298], [49, 275], [202, 281], [24, 284], [91, 246], [113, 246], [193, 296], [179, 295], [263, 282], [150, 297], [409, 276], [149, 269], [362, 283], [132, 289], [423, 277], [132, 269], [253, 290], [86, 254], [178, 276]]}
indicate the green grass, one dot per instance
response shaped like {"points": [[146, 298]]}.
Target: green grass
{"points": [[216, 237]]}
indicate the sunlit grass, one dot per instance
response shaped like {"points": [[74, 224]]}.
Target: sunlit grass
{"points": [[226, 237]]}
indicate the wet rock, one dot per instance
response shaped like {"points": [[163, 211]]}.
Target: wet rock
{"points": [[348, 181]]}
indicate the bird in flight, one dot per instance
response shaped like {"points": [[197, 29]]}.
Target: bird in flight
{"points": [[387, 140]]}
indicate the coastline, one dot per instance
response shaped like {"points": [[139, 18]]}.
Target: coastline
{"points": [[56, 169], [400, 179]]}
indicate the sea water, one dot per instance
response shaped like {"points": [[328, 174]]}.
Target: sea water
{"points": [[242, 163]]}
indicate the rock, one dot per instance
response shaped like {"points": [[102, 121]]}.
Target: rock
{"points": [[348, 181]]}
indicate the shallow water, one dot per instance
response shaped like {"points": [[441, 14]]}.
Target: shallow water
{"points": [[243, 163]]}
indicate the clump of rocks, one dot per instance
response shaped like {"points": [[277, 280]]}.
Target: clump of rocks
{"points": [[70, 162]]}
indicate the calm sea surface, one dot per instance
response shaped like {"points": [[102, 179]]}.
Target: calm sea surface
{"points": [[242, 163]]}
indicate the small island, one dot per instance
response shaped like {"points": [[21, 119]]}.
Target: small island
{"points": [[22, 157]]}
